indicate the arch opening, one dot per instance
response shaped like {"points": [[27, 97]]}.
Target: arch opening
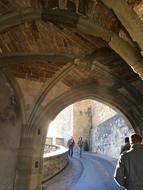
{"points": [[103, 126], [57, 104]]}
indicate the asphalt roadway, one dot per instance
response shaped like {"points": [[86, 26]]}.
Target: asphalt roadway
{"points": [[90, 172]]}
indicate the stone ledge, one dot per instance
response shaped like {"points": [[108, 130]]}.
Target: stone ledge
{"points": [[54, 162]]}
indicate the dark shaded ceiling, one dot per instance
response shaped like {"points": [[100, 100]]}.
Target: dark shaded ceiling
{"points": [[37, 49]]}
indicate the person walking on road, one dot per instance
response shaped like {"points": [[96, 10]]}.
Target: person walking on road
{"points": [[129, 170], [70, 145], [126, 146], [80, 145]]}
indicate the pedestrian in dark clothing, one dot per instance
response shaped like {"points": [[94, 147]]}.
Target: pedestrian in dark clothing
{"points": [[70, 145], [126, 146], [129, 170], [80, 144]]}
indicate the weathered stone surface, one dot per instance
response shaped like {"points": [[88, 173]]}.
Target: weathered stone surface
{"points": [[10, 127], [107, 137], [82, 119], [53, 165]]}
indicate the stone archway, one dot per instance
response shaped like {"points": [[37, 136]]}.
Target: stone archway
{"points": [[67, 98], [86, 92]]}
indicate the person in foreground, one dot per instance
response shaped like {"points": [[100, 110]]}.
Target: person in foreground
{"points": [[129, 170]]}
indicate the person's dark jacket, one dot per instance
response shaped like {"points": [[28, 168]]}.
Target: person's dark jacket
{"points": [[125, 147], [70, 143], [129, 171]]}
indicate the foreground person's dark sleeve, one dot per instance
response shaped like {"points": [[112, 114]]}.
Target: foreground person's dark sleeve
{"points": [[119, 174]]}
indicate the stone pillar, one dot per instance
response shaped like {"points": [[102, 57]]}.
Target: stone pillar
{"points": [[30, 160], [23, 174], [10, 129]]}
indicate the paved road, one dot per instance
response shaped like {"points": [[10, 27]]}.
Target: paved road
{"points": [[91, 172]]}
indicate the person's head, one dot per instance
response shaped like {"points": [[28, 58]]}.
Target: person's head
{"points": [[136, 139], [127, 140]]}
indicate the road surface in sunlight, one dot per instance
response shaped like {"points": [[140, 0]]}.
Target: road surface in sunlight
{"points": [[90, 172]]}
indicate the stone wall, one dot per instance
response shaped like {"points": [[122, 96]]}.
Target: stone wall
{"points": [[49, 140], [53, 164], [56, 141], [88, 114], [108, 136], [100, 112], [60, 141], [10, 126], [94, 121], [82, 119]]}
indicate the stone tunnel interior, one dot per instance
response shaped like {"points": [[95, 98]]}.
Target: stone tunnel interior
{"points": [[54, 53]]}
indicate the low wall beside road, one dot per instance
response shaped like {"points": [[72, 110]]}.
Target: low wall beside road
{"points": [[54, 162]]}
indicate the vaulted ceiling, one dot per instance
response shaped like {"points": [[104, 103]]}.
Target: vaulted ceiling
{"points": [[102, 38]]}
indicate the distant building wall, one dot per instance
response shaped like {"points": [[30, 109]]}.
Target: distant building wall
{"points": [[100, 112], [62, 125], [88, 114], [82, 119], [108, 136], [98, 123]]}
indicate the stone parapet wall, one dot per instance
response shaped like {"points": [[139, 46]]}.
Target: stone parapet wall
{"points": [[60, 141], [54, 163], [55, 140], [49, 140]]}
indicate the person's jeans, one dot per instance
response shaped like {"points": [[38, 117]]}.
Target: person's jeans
{"points": [[70, 151], [80, 150]]}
